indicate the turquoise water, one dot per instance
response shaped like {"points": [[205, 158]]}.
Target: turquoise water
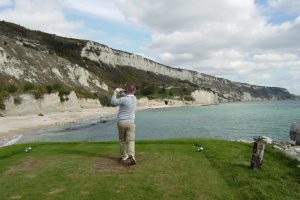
{"points": [[230, 121]]}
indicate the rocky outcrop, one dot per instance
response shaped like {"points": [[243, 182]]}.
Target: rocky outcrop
{"points": [[29, 105], [205, 97], [40, 66], [144, 103]]}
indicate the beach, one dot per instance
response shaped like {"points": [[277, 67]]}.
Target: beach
{"points": [[12, 127]]}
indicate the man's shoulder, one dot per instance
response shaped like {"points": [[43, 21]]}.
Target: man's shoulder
{"points": [[129, 97]]}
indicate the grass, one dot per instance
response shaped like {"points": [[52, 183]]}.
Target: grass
{"points": [[168, 169]]}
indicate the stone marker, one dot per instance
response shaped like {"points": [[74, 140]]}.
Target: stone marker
{"points": [[295, 132], [258, 153]]}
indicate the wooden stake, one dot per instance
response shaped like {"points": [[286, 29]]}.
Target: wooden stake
{"points": [[258, 153]]}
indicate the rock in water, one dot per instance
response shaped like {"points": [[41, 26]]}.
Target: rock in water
{"points": [[295, 132]]}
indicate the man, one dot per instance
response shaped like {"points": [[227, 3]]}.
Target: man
{"points": [[126, 125]]}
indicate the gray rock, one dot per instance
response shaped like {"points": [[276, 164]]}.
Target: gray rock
{"points": [[295, 132]]}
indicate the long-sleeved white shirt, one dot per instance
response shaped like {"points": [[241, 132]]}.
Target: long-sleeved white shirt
{"points": [[127, 107]]}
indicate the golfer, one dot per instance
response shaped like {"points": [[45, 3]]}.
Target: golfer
{"points": [[126, 125]]}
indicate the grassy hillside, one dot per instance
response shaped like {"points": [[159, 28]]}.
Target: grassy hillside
{"points": [[169, 169], [56, 47]]}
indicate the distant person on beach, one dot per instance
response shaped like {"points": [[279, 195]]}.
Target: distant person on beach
{"points": [[126, 125]]}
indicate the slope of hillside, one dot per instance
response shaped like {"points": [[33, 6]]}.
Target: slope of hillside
{"points": [[37, 62]]}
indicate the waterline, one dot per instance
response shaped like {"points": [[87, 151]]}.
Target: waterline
{"points": [[230, 121]]}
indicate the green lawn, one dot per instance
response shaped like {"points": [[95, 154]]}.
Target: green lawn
{"points": [[168, 169]]}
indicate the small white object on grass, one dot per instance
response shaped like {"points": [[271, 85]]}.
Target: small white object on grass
{"points": [[27, 149], [200, 148]]}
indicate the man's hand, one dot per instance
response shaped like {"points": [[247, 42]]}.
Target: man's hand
{"points": [[117, 90]]}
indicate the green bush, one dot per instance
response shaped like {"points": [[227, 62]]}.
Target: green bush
{"points": [[11, 88], [2, 106], [188, 98], [151, 97], [3, 95], [28, 87], [81, 93], [17, 100], [162, 91], [148, 90], [105, 100], [38, 92], [62, 91], [49, 89]]}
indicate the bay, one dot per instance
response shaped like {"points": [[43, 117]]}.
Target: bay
{"points": [[229, 121]]}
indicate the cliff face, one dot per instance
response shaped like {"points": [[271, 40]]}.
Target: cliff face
{"points": [[27, 60], [87, 66], [29, 105], [224, 90]]}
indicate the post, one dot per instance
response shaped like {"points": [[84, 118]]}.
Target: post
{"points": [[258, 153], [295, 132]]}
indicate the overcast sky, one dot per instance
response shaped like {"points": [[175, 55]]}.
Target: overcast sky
{"points": [[253, 41]]}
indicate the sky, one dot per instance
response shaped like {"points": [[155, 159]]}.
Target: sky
{"points": [[252, 41]]}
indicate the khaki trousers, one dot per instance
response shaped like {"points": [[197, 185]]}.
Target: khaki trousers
{"points": [[126, 135]]}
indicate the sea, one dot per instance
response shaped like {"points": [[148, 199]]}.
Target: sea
{"points": [[227, 121]]}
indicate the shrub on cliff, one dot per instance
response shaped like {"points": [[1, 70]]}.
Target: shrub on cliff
{"points": [[28, 86], [104, 100], [188, 98], [17, 100], [147, 89], [2, 105], [62, 90], [11, 88]]}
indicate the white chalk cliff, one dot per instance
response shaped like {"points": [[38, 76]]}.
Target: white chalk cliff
{"points": [[43, 59], [219, 89]]}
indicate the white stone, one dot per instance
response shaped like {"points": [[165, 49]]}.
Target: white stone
{"points": [[297, 149], [100, 85], [267, 139], [56, 72], [278, 147]]}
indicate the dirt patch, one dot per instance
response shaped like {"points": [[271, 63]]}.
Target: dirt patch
{"points": [[84, 192], [26, 165], [16, 197], [55, 191], [110, 164]]}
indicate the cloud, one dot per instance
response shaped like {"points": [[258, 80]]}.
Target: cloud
{"points": [[46, 16], [98, 8], [295, 75], [5, 2], [275, 57], [286, 6], [226, 38]]}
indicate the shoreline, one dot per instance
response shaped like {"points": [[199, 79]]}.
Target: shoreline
{"points": [[14, 127]]}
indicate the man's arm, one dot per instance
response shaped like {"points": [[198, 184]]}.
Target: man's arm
{"points": [[114, 100]]}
